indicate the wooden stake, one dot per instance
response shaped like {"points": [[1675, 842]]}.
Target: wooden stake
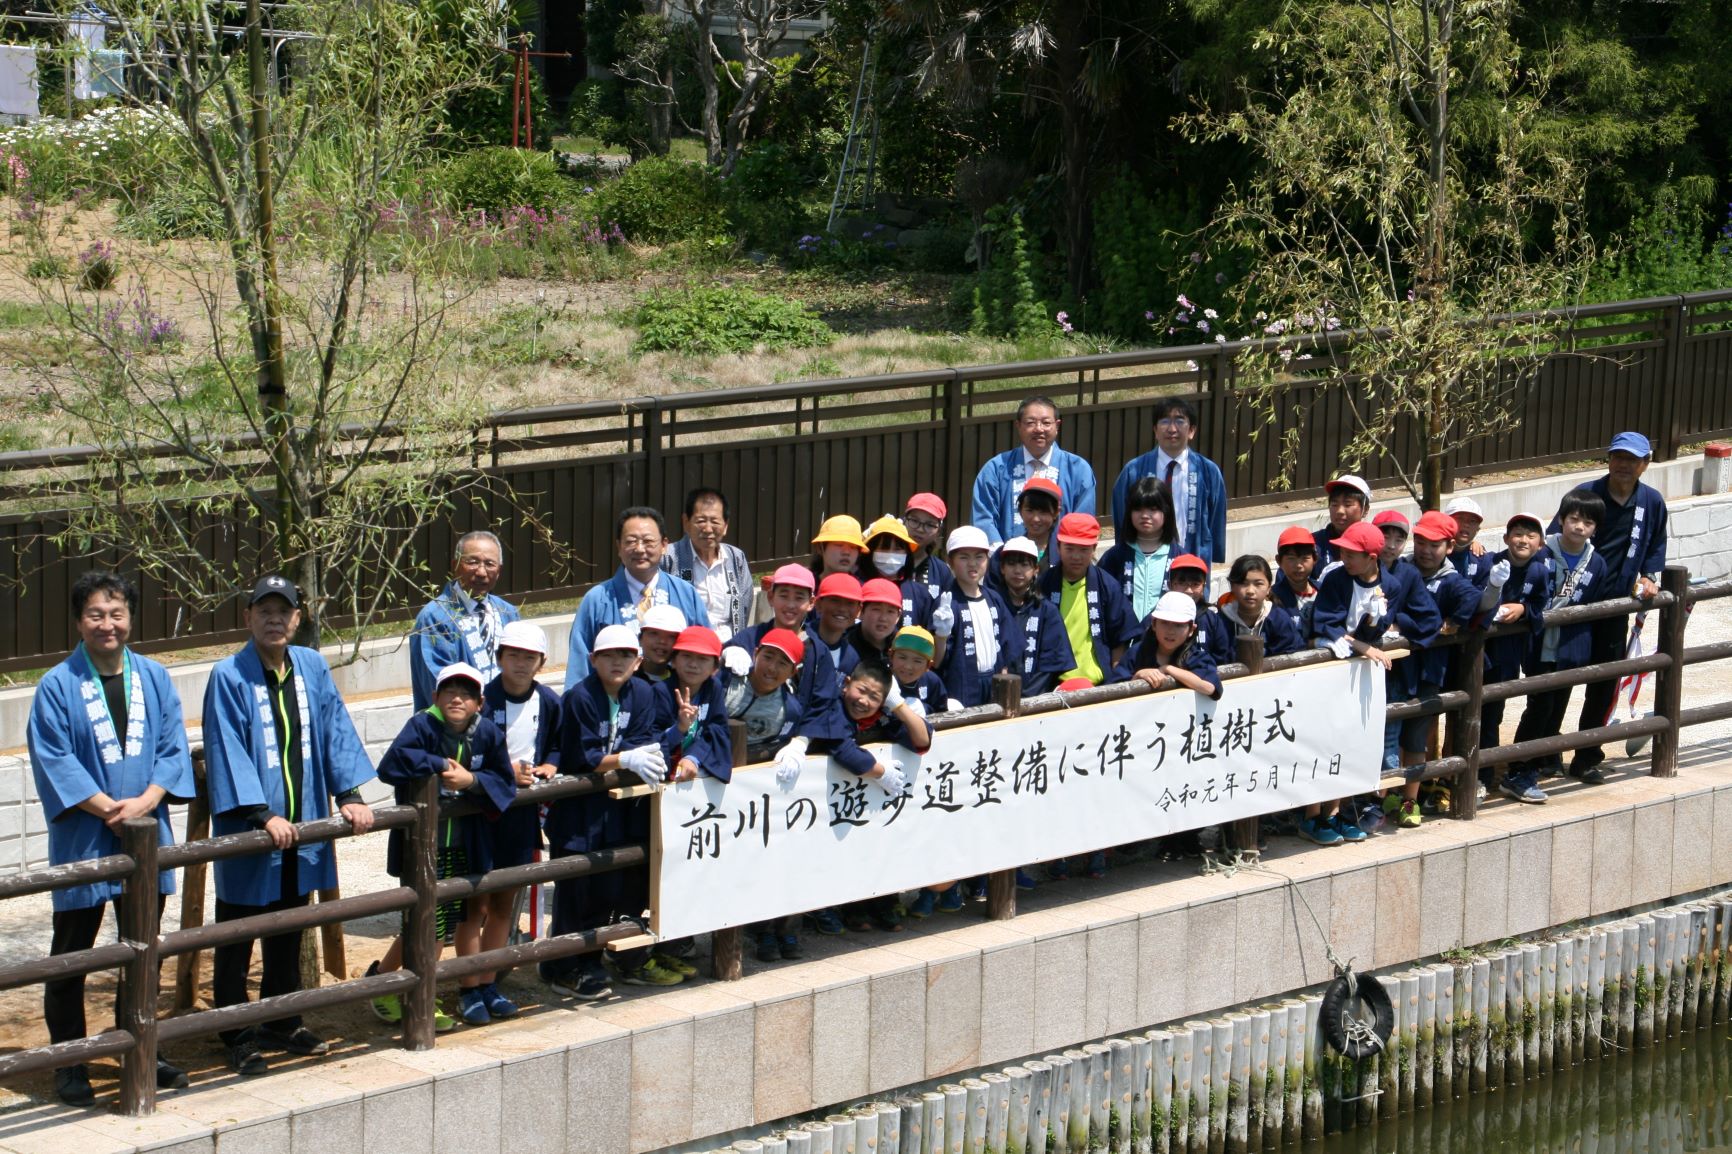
{"points": [[1142, 1074], [1257, 1092], [1425, 1040], [997, 1112], [1239, 1083], [1021, 1102], [974, 1110], [140, 979], [1040, 1077], [1161, 1097], [1100, 1096], [1312, 1087]]}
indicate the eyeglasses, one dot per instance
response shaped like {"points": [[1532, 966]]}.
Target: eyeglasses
{"points": [[921, 524], [640, 542], [480, 563], [1172, 422]]}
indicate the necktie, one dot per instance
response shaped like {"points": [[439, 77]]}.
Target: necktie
{"points": [[1172, 467], [646, 602]]}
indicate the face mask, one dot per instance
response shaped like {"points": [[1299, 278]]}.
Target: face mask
{"points": [[889, 562]]}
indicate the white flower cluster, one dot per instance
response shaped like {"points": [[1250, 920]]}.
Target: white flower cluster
{"points": [[105, 129]]}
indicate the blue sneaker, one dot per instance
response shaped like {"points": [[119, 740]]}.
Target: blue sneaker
{"points": [[1319, 831], [1531, 795], [473, 1007], [1349, 830], [1097, 868], [951, 900], [827, 923], [922, 905], [1023, 880], [497, 1003]]}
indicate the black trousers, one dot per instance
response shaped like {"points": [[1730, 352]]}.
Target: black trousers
{"points": [[63, 999], [281, 956], [1609, 639], [589, 903]]}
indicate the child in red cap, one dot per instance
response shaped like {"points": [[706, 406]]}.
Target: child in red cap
{"points": [[1096, 616], [923, 517], [1189, 575], [1293, 590], [833, 615]]}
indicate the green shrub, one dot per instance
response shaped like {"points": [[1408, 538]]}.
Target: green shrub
{"points": [[1662, 252], [723, 319], [176, 211], [1005, 304], [495, 179], [763, 194], [657, 200], [45, 266]]}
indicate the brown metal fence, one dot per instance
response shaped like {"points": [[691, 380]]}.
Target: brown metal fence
{"points": [[789, 455]]}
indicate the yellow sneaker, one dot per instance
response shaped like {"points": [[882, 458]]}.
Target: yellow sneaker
{"points": [[678, 965], [1410, 817]]}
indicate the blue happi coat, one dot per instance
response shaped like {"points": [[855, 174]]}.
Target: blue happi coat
{"points": [[1457, 601], [589, 730], [612, 603], [1406, 607], [67, 766], [517, 833], [1569, 646], [1192, 656], [1000, 482], [1046, 651], [1203, 501], [963, 679], [708, 743], [816, 686], [440, 639], [238, 777], [1528, 585], [419, 753]]}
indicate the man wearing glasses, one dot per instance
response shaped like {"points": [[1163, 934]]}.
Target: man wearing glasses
{"points": [[1198, 489], [717, 570], [462, 624], [639, 585], [1001, 479]]}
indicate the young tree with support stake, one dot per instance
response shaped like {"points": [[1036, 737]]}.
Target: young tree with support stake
{"points": [[1405, 186]]}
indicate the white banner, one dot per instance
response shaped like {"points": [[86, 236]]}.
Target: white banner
{"points": [[1005, 794]]}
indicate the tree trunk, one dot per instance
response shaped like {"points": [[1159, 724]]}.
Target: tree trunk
{"points": [[661, 94], [1075, 124], [703, 17]]}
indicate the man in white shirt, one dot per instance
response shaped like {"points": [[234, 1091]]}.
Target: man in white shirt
{"points": [[1002, 478], [1199, 491], [718, 571]]}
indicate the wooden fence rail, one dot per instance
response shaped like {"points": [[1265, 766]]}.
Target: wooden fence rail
{"points": [[142, 944]]}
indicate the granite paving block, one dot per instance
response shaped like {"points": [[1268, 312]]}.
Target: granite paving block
{"points": [[1651, 872], [1572, 872], [1722, 853], [466, 1112], [1111, 1004], [1214, 938], [1163, 975], [1263, 952], [1692, 842], [841, 1042], [204, 1145], [1398, 893], [1309, 909], [722, 1071], [897, 1053], [1007, 1003], [541, 1080], [782, 1058], [1614, 849], [1530, 882], [952, 1016], [1060, 990], [1353, 915], [595, 1072], [339, 1127], [272, 1137], [395, 1121], [1485, 913], [661, 1086]]}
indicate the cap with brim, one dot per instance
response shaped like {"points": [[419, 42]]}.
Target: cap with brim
{"points": [[1533, 518], [841, 585], [1188, 561], [1350, 481], [276, 586], [1464, 507], [1391, 517], [1041, 485], [664, 618], [1631, 442], [698, 639], [797, 576], [1293, 536], [615, 637], [929, 503], [881, 591], [1176, 607], [1079, 529], [1074, 684], [1361, 537], [1434, 526], [840, 530], [522, 635], [915, 640], [967, 537], [786, 642], [458, 671], [1019, 545], [889, 525]]}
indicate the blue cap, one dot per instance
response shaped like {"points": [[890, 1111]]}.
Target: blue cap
{"points": [[1631, 443]]}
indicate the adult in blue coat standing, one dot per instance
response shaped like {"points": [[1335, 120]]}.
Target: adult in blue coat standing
{"points": [[1037, 454], [278, 745], [106, 745], [461, 626], [1199, 491], [640, 584]]}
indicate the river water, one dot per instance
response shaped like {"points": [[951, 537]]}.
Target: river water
{"points": [[1673, 1098]]}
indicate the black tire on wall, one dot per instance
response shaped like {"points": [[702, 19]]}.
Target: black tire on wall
{"points": [[1357, 1016]]}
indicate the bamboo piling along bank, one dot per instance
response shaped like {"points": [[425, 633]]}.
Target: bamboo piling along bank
{"points": [[1258, 1077]]}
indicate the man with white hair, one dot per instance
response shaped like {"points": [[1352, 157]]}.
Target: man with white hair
{"points": [[462, 624]]}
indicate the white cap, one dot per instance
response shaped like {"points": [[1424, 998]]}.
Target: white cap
{"points": [[460, 670], [1461, 505], [1175, 606], [1356, 483], [967, 537], [615, 637], [1020, 545], [663, 617], [522, 635]]}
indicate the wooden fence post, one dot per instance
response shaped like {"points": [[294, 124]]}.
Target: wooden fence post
{"points": [[140, 928], [192, 890], [1245, 830], [1463, 732], [1669, 683], [420, 935], [1001, 886], [952, 465], [725, 944]]}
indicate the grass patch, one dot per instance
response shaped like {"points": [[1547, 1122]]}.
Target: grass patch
{"points": [[687, 148]]}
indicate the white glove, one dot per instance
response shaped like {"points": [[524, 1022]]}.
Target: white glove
{"points": [[943, 617], [647, 762], [1340, 647], [790, 761], [916, 705], [893, 699], [1499, 574], [736, 661], [1505, 613], [953, 705], [894, 783]]}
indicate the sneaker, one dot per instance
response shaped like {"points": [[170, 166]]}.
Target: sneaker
{"points": [[1058, 871], [649, 974], [678, 965], [767, 949], [888, 919], [977, 891], [1024, 881], [922, 905], [826, 922], [791, 950], [1479, 791], [388, 1009], [1319, 831], [1410, 815], [1532, 795], [678, 948], [1098, 864], [443, 1023], [950, 901], [245, 1059], [498, 1004], [169, 1076], [1349, 830], [1391, 803], [592, 986], [857, 921], [72, 1085], [562, 982], [299, 1040], [473, 1007], [1588, 774]]}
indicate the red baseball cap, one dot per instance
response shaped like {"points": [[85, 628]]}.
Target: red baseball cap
{"points": [[841, 585], [1292, 535], [786, 642], [1435, 526], [881, 591], [1392, 517], [698, 639], [1361, 538], [797, 576], [1042, 485], [1076, 528], [929, 503], [1074, 684], [1188, 561]]}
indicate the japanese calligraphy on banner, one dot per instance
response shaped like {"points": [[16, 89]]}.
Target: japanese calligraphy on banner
{"points": [[999, 795]]}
